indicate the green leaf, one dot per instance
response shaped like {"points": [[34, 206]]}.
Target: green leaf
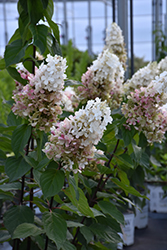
{"points": [[16, 216], [10, 186], [28, 60], [127, 135], [97, 212], [145, 160], [85, 183], [2, 64], [23, 26], [71, 208], [37, 176], [20, 138], [49, 10], [109, 134], [142, 140], [124, 160], [6, 195], [104, 169], [48, 14], [6, 129], [39, 241], [137, 151], [26, 229], [45, 3], [23, 4], [4, 236], [111, 222], [53, 48], [68, 246], [138, 176], [74, 224], [127, 188], [35, 10], [14, 52], [15, 74], [2, 157], [5, 144], [154, 161], [43, 163], [16, 36], [55, 29], [39, 34], [16, 167], [13, 120], [86, 232], [81, 204], [31, 161], [55, 227], [72, 181], [123, 177], [105, 232], [51, 182], [109, 208]]}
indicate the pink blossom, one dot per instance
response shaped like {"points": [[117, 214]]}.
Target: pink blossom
{"points": [[142, 110]]}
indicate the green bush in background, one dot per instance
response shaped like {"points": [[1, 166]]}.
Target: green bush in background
{"points": [[7, 85], [77, 61]]}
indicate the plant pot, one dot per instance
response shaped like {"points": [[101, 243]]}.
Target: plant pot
{"points": [[120, 244], [141, 217], [128, 229], [157, 202]]}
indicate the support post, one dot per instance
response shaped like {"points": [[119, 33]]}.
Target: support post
{"points": [[123, 24]]}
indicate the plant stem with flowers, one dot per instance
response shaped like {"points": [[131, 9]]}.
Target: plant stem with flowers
{"points": [[79, 161]]}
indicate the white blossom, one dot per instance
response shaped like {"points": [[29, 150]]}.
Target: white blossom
{"points": [[50, 76], [115, 43], [73, 139], [107, 66], [141, 78], [162, 65], [114, 35], [160, 83]]}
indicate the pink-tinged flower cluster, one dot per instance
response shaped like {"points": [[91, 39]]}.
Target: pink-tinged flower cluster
{"points": [[73, 139], [115, 43], [143, 112], [104, 80], [41, 108], [24, 73], [40, 101]]}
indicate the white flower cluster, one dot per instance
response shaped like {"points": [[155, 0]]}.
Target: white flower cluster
{"points": [[115, 43], [74, 138], [162, 65], [160, 83], [114, 35], [50, 76], [40, 99], [104, 80], [90, 123], [108, 67], [69, 99], [141, 78]]}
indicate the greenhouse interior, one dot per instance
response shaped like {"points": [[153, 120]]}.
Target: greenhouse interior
{"points": [[83, 124]]}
